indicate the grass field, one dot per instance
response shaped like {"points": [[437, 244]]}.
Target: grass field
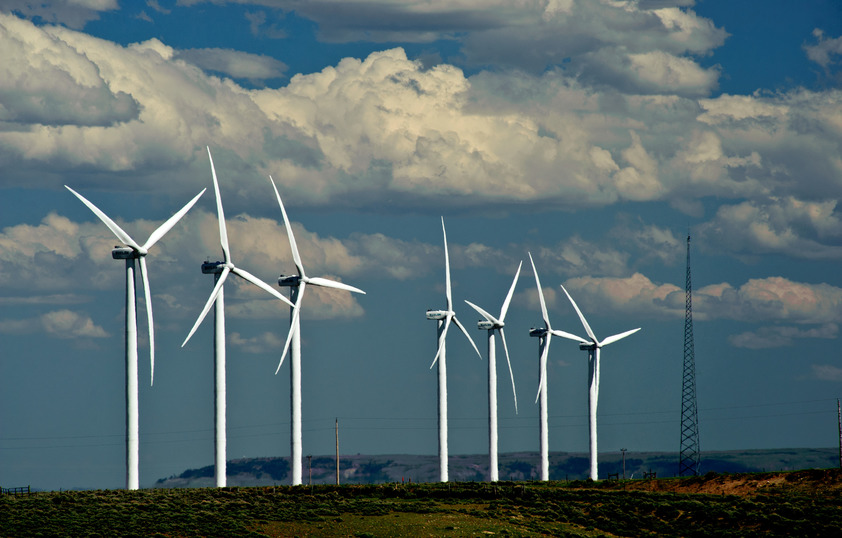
{"points": [[801, 503]]}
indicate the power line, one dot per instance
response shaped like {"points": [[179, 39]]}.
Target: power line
{"points": [[519, 423]]}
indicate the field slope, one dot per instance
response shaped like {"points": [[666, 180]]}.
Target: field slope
{"points": [[800, 503]]}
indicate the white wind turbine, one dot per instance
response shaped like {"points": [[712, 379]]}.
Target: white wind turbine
{"points": [[444, 318], [130, 253], [544, 336], [492, 324], [592, 347], [296, 285], [221, 270]]}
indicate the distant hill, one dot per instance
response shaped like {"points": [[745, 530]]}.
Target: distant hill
{"points": [[376, 469]]}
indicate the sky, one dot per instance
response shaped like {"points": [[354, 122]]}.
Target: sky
{"points": [[594, 134]]}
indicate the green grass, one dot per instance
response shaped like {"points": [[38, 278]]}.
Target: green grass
{"points": [[464, 509]]}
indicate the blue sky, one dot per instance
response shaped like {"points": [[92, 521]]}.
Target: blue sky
{"points": [[592, 134]]}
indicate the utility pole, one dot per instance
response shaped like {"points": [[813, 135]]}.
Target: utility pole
{"points": [[623, 450], [337, 451], [689, 447], [839, 419]]}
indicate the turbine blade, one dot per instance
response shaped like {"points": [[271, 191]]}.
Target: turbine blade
{"points": [[167, 226], [116, 230], [570, 336], [245, 275], [447, 291], [509, 362], [540, 295], [488, 317], [442, 339], [223, 230], [295, 256], [511, 292], [581, 317], [148, 297], [465, 332], [214, 294], [327, 283], [293, 323], [614, 338], [542, 383]]}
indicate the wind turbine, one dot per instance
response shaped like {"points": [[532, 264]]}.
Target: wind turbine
{"points": [[445, 318], [130, 253], [221, 270], [544, 334], [592, 346], [492, 324], [297, 284]]}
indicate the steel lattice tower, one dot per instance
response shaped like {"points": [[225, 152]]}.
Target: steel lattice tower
{"points": [[689, 451]]}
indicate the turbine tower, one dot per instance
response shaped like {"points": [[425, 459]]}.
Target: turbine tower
{"points": [[133, 251], [444, 319], [544, 334], [296, 285], [592, 347], [689, 448], [492, 324], [221, 270]]}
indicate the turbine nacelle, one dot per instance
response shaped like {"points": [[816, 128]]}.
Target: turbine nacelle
{"points": [[538, 333], [588, 347], [486, 325], [212, 268], [290, 281], [124, 253], [436, 315]]}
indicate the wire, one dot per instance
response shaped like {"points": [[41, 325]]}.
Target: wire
{"points": [[205, 434]]}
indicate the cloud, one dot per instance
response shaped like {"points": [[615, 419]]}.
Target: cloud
{"points": [[386, 133], [262, 343], [157, 7], [651, 242], [260, 27], [773, 299], [60, 298], [576, 257], [652, 72], [57, 84], [59, 255], [56, 256], [770, 299], [796, 228], [780, 336], [236, 64], [826, 51], [766, 145], [639, 43], [63, 324], [632, 295], [72, 13], [827, 372]]}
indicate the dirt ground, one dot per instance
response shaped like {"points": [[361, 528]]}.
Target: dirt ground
{"points": [[807, 482]]}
